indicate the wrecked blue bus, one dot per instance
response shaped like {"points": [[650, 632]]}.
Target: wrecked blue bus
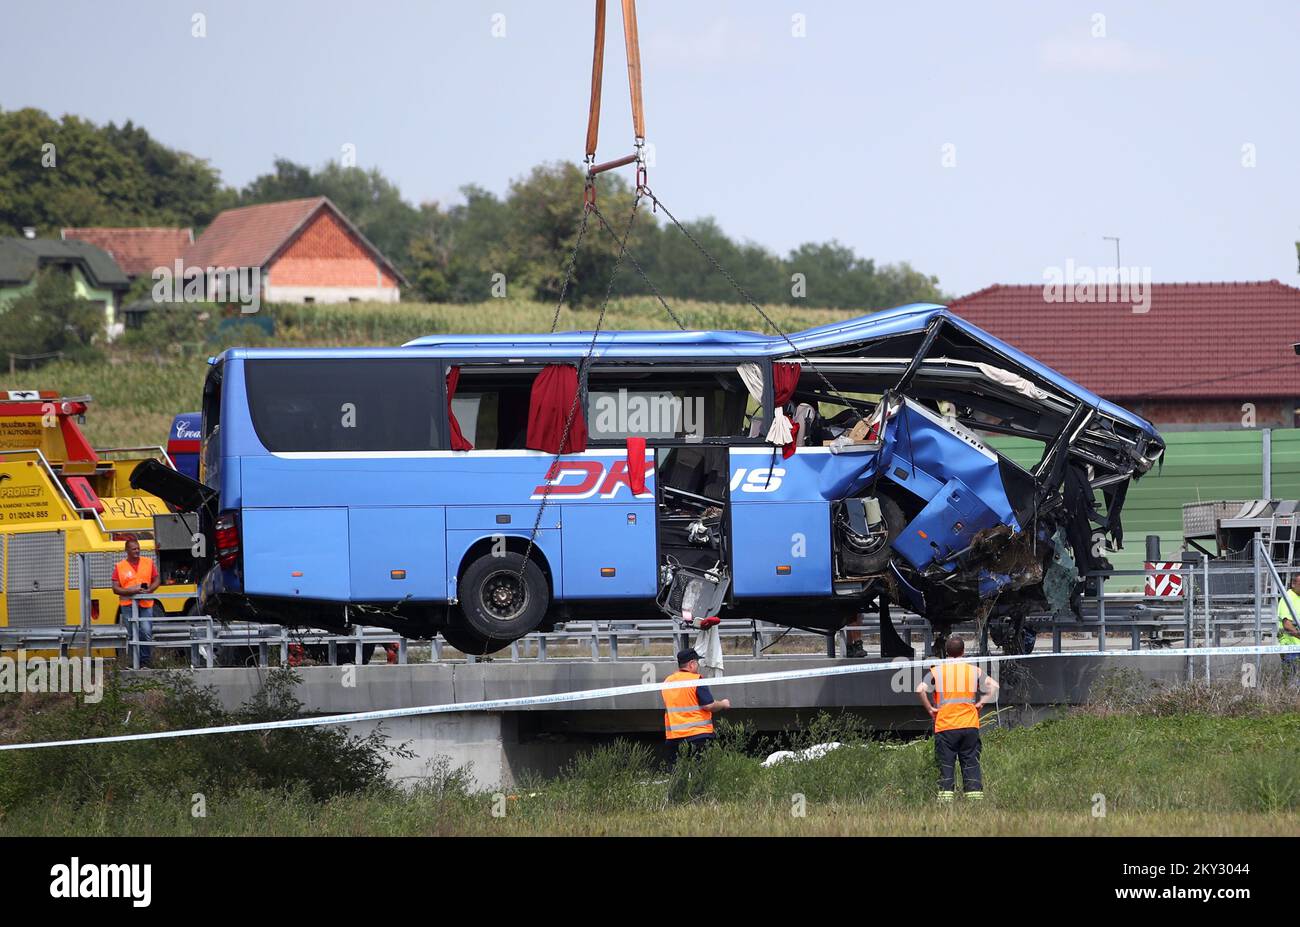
{"points": [[485, 486]]}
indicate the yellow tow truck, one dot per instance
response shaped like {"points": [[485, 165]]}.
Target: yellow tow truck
{"points": [[61, 499]]}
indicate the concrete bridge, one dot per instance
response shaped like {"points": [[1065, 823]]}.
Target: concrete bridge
{"points": [[503, 745]]}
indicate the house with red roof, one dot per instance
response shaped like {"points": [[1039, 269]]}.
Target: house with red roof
{"points": [[138, 251], [1190, 356], [307, 252]]}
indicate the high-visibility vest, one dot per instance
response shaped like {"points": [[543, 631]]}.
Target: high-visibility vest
{"points": [[683, 716], [1284, 613], [127, 576], [955, 689]]}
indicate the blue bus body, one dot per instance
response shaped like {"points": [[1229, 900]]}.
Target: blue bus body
{"points": [[327, 530], [183, 443]]}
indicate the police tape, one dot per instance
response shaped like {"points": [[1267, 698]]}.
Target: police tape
{"points": [[554, 698]]}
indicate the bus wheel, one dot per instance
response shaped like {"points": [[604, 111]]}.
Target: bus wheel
{"points": [[503, 598], [863, 555]]}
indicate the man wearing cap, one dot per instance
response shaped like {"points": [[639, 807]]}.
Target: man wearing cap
{"points": [[960, 690], [688, 711]]}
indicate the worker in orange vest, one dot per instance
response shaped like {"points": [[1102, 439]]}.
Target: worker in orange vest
{"points": [[688, 711], [133, 576], [960, 690]]}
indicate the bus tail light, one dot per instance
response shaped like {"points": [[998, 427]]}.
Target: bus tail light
{"points": [[226, 531]]}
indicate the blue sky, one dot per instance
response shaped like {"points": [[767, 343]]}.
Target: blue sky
{"points": [[1060, 136]]}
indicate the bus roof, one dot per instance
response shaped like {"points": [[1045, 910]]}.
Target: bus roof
{"points": [[690, 343], [902, 320]]}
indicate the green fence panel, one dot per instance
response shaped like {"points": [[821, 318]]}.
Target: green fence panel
{"points": [[1199, 466]]}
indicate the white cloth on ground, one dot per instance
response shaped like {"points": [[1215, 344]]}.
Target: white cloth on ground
{"points": [[814, 752]]}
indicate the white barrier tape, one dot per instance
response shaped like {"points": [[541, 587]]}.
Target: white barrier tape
{"points": [[616, 691]]}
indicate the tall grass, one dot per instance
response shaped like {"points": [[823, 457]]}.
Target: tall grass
{"points": [[1157, 775], [1212, 770], [321, 762]]}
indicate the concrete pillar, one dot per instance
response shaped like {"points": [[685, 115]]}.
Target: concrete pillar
{"points": [[467, 739]]}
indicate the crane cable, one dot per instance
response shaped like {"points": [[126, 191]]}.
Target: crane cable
{"points": [[588, 207], [632, 43], [641, 191]]}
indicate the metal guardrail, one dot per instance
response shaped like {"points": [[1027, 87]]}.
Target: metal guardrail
{"points": [[1199, 614], [203, 635]]}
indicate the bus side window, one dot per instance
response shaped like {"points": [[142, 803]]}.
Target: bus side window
{"points": [[491, 407], [342, 404], [672, 400], [210, 423]]}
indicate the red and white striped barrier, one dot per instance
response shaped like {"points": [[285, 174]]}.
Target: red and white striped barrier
{"points": [[1164, 580]]}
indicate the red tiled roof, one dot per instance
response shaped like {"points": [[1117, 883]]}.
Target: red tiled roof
{"points": [[252, 235], [136, 250], [1196, 340]]}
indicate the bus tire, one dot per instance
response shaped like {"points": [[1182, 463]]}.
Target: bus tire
{"points": [[503, 598], [864, 563]]}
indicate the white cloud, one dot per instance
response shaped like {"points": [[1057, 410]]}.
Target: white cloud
{"points": [[1099, 56], [718, 42]]}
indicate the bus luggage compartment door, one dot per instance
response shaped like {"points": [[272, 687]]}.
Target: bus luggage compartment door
{"points": [[296, 553], [609, 550], [398, 553], [781, 548], [945, 527]]}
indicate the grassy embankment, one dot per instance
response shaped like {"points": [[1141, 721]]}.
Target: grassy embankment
{"points": [[1189, 760]]}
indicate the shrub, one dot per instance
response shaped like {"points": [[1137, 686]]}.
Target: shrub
{"points": [[52, 318], [323, 761], [611, 776]]}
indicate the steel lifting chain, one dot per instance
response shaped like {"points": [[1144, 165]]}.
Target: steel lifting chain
{"points": [[553, 471], [636, 265], [735, 284], [587, 206]]}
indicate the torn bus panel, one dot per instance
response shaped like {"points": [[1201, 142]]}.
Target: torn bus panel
{"points": [[951, 526]]}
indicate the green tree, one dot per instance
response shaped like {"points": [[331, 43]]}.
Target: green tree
{"points": [[366, 197], [454, 252], [56, 173], [182, 190], [50, 318], [836, 277], [545, 214]]}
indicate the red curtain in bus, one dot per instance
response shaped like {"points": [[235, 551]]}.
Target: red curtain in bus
{"points": [[636, 464], [785, 377], [554, 391], [458, 442]]}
